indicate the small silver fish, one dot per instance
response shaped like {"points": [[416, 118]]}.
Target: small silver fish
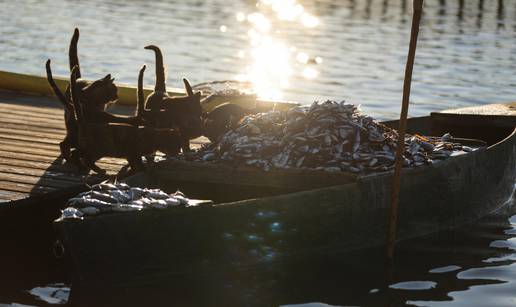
{"points": [[89, 211], [71, 213]]}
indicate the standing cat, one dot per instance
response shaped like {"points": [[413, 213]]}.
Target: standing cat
{"points": [[97, 140], [95, 96], [70, 140], [162, 111]]}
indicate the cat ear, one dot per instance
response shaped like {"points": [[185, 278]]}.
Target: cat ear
{"points": [[188, 87], [107, 78]]}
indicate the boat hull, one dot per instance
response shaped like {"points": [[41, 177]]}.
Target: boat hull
{"points": [[220, 247]]}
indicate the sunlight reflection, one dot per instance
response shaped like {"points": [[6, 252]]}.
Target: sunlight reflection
{"points": [[309, 21], [302, 58], [270, 70], [240, 16], [271, 60], [290, 10], [310, 73], [259, 21]]}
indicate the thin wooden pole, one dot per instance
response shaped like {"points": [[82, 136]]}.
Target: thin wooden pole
{"points": [[393, 216]]}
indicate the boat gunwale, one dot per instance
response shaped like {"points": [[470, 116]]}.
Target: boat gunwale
{"points": [[360, 179]]}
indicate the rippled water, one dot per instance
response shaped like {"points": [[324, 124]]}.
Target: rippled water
{"points": [[289, 49], [353, 50]]}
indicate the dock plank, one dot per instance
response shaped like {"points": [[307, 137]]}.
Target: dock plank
{"points": [[25, 189], [31, 128], [38, 173], [46, 127], [18, 142], [7, 196], [30, 163], [41, 181]]}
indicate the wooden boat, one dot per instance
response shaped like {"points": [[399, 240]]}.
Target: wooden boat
{"points": [[262, 223]]}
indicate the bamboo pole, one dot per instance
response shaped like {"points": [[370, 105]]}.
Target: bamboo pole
{"points": [[396, 181]]}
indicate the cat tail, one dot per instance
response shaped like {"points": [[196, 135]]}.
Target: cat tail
{"points": [[160, 69], [56, 89], [139, 93], [73, 58], [74, 94]]}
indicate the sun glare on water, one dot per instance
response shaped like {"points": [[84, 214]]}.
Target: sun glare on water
{"points": [[271, 62]]}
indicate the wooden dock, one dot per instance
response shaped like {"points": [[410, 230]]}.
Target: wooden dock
{"points": [[31, 128]]}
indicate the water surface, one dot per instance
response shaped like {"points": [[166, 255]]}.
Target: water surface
{"points": [[301, 51], [289, 49]]}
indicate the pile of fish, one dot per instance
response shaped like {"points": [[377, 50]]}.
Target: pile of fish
{"points": [[327, 136], [120, 197]]}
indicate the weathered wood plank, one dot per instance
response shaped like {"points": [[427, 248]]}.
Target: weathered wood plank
{"points": [[14, 105], [24, 188], [58, 115], [33, 133], [55, 132], [46, 182], [11, 195], [50, 174], [37, 164], [17, 142], [33, 122], [35, 151], [106, 164], [28, 138], [19, 115]]}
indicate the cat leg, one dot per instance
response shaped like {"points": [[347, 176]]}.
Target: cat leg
{"points": [[150, 158], [65, 147], [136, 163], [97, 169], [75, 160], [90, 163], [185, 145]]}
